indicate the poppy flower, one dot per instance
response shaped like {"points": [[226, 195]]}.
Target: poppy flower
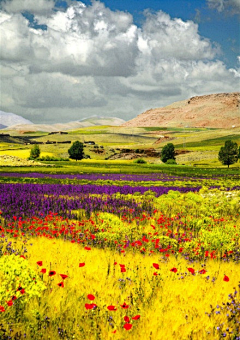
{"points": [[127, 326], [81, 264], [156, 266], [43, 270], [191, 270], [61, 284], [52, 272], [91, 297], [112, 332], [174, 270], [14, 297], [115, 263], [22, 291], [10, 303], [2, 309], [63, 276], [124, 306], [203, 271], [22, 256], [112, 308], [126, 318], [90, 305], [123, 269], [136, 317], [39, 263], [87, 248], [226, 278], [155, 273]]}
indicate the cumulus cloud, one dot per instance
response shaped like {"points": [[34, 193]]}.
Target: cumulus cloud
{"points": [[231, 5], [91, 60], [33, 6]]}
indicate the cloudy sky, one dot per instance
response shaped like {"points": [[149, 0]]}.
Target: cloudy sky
{"points": [[67, 60]]}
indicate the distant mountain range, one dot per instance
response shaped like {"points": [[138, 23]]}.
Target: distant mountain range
{"points": [[10, 121], [220, 110]]}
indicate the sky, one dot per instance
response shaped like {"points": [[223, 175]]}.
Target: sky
{"points": [[63, 61]]}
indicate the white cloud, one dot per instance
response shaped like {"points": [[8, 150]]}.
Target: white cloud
{"points": [[33, 6], [231, 5], [92, 60]]}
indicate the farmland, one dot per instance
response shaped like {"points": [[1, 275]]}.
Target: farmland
{"points": [[111, 249]]}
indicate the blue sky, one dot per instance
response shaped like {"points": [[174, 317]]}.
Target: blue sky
{"points": [[66, 60]]}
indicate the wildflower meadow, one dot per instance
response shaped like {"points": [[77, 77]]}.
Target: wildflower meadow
{"points": [[117, 256]]}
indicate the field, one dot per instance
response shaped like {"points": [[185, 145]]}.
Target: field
{"points": [[110, 249]]}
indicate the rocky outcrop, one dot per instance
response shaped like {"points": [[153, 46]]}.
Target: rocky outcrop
{"points": [[213, 111]]}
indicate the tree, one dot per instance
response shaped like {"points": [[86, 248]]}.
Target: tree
{"points": [[35, 152], [76, 151], [229, 153], [168, 152]]}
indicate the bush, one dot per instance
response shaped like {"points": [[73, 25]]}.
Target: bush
{"points": [[140, 161], [171, 161], [35, 152]]}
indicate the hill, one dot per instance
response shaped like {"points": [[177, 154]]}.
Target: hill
{"points": [[213, 111], [8, 119], [86, 122]]}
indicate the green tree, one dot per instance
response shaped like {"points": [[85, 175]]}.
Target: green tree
{"points": [[76, 151], [35, 151], [168, 152], [228, 153]]}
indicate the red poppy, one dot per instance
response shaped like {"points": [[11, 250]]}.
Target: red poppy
{"points": [[191, 270], [125, 306], [203, 271], [226, 278], [87, 248], [2, 309], [111, 308], [136, 317], [63, 276], [81, 264], [61, 284], [14, 297], [112, 332], [52, 272], [22, 256], [123, 269], [22, 291], [126, 318], [156, 266], [10, 303], [127, 326], [115, 263], [155, 273], [43, 270], [91, 297], [174, 270], [90, 305], [39, 263]]}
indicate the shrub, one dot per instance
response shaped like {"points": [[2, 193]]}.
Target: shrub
{"points": [[171, 161], [168, 152], [140, 161], [35, 152]]}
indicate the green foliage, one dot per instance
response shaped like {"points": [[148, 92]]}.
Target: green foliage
{"points": [[35, 152], [76, 151], [168, 152], [171, 161], [15, 271], [229, 153], [140, 161]]}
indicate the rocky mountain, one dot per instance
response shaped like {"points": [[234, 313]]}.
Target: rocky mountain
{"points": [[214, 111], [8, 119]]}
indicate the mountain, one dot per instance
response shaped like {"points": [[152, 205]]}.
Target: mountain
{"points": [[214, 111], [8, 119], [86, 122]]}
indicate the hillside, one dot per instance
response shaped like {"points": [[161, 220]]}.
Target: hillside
{"points": [[86, 122], [8, 119], [213, 111]]}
